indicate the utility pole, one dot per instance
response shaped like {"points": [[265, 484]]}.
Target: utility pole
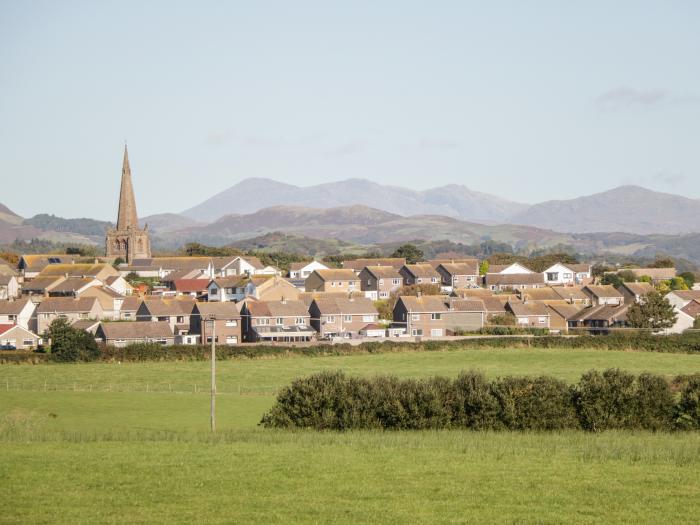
{"points": [[212, 318]]}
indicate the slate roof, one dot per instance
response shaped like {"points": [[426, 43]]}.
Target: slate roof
{"points": [[337, 275], [225, 310], [137, 330], [422, 270], [384, 272], [13, 307], [345, 306], [602, 290], [66, 305], [277, 308], [513, 279], [521, 309]]}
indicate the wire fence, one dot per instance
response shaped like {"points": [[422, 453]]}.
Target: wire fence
{"points": [[161, 387]]}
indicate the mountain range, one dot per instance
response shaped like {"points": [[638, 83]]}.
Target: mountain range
{"points": [[630, 209]]}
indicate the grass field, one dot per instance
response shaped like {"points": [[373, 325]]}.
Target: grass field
{"points": [[107, 443]]}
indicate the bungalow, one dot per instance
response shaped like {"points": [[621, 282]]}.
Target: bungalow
{"points": [[17, 337], [561, 314], [437, 315], [494, 305], [226, 321], [276, 321], [40, 286], [562, 274], [601, 318], [603, 294], [95, 270], [242, 266], [119, 285], [71, 286], [563, 294], [685, 304], [17, 311], [301, 270], [342, 316], [176, 312], [527, 314], [161, 267], [357, 265], [343, 280], [379, 282], [30, 265], [680, 298], [88, 325], [191, 287], [505, 269], [419, 274], [123, 334], [459, 275], [635, 292], [513, 281], [9, 287], [657, 274], [68, 308]]}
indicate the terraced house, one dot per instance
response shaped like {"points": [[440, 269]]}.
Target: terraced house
{"points": [[459, 275], [423, 273], [379, 282]]}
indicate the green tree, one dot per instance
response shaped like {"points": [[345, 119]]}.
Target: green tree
{"points": [[410, 252], [627, 276], [662, 262], [484, 267], [118, 261], [71, 344], [678, 283], [612, 278], [646, 279], [689, 278], [654, 313]]}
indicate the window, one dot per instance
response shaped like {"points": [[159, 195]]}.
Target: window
{"points": [[435, 317], [231, 339], [396, 282], [330, 318], [213, 290], [415, 317], [216, 339], [542, 320], [263, 321], [433, 279], [299, 321], [381, 282], [180, 319], [383, 295], [127, 315], [231, 322], [367, 318], [347, 318], [28, 342], [333, 284], [416, 331], [552, 276], [436, 332], [162, 318], [280, 321], [568, 276]]}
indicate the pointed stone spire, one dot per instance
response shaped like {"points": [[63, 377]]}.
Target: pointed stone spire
{"points": [[127, 217]]}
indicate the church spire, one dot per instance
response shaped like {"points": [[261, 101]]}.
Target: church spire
{"points": [[127, 217]]}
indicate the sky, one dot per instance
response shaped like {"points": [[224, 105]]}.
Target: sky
{"points": [[531, 100]]}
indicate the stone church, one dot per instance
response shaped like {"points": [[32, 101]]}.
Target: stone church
{"points": [[127, 240]]}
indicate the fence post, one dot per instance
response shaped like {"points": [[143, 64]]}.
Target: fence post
{"points": [[44, 385]]}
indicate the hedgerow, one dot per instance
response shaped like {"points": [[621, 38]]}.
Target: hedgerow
{"points": [[612, 399]]}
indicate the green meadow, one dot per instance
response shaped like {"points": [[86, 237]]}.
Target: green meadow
{"points": [[129, 443]]}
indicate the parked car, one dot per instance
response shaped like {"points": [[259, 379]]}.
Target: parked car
{"points": [[8, 347]]}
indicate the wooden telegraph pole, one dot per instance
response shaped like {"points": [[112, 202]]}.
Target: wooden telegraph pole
{"points": [[212, 318]]}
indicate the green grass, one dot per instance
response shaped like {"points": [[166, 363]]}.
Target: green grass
{"points": [[122, 454]]}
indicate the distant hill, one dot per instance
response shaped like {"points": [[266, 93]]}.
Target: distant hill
{"points": [[83, 226], [251, 195], [166, 222], [282, 242], [629, 209]]}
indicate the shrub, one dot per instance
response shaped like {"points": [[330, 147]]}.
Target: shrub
{"points": [[473, 404], [69, 344], [605, 401], [687, 412], [654, 403]]}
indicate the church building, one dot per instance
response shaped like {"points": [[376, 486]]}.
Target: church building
{"points": [[127, 241]]}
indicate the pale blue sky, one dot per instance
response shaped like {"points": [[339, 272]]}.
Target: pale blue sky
{"points": [[532, 100]]}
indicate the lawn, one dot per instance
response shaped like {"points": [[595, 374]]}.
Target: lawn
{"points": [[107, 443]]}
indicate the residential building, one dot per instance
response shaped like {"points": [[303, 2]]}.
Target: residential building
{"points": [[459, 275], [124, 334], [130, 305], [438, 315], [343, 280], [244, 266], [86, 325], [119, 285], [109, 299], [191, 287], [9, 287], [600, 319], [561, 314], [500, 282], [176, 311], [657, 274], [419, 274], [68, 308], [271, 288], [19, 312], [680, 298], [73, 286], [96, 270], [563, 274], [342, 316], [504, 269], [379, 282], [685, 304], [223, 289], [530, 315], [301, 270], [357, 265], [276, 321], [635, 292], [226, 318], [603, 294], [31, 265], [12, 335], [551, 294]]}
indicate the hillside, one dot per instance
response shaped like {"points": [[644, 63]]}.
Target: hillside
{"points": [[167, 222], [251, 195], [629, 209]]}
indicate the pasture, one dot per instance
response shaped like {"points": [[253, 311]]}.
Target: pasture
{"points": [[106, 443]]}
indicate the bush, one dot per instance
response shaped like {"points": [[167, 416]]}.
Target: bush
{"points": [[473, 404], [687, 412], [654, 403], [69, 344]]}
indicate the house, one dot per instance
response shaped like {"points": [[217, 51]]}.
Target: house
{"points": [[270, 288], [301, 270], [419, 274], [226, 320], [657, 274], [176, 311], [68, 308], [635, 292], [494, 305], [130, 305], [99, 271], [601, 318], [552, 294], [40, 286], [276, 321], [562, 274], [379, 282], [86, 325], [561, 314], [12, 335], [505, 269], [680, 298], [191, 287], [123, 334], [225, 289], [9, 287], [18, 311], [72, 286], [459, 275], [342, 316], [531, 315], [109, 299], [343, 280], [500, 282], [30, 265], [438, 315], [161, 267], [356, 265], [119, 285], [243, 266], [685, 304], [603, 294]]}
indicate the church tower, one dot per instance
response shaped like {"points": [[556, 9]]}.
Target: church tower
{"points": [[127, 240]]}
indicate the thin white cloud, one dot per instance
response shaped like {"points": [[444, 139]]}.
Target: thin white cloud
{"points": [[627, 98]]}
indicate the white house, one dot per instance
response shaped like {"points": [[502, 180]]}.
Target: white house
{"points": [[224, 289], [686, 304], [303, 270], [9, 287], [19, 312], [18, 337], [562, 274], [680, 298], [506, 269]]}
